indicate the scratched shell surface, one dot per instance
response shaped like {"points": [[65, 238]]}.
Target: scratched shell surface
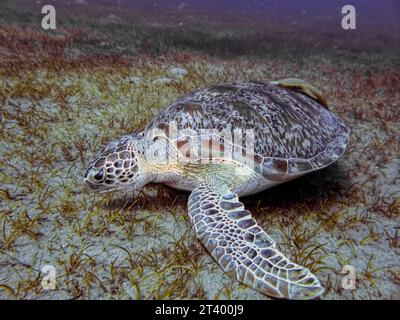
{"points": [[292, 132]]}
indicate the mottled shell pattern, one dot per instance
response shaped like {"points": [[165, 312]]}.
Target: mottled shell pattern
{"points": [[293, 133]]}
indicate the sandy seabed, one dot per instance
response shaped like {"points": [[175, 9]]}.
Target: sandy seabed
{"points": [[67, 93]]}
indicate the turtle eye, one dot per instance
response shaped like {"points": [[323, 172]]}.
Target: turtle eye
{"points": [[99, 175]]}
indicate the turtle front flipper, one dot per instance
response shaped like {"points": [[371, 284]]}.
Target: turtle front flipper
{"points": [[303, 87], [242, 248]]}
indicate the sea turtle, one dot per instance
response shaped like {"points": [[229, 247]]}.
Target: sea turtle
{"points": [[226, 141]]}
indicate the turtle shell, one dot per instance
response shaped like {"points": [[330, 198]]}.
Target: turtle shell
{"points": [[292, 133]]}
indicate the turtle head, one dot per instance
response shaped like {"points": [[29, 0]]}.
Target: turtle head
{"points": [[118, 167]]}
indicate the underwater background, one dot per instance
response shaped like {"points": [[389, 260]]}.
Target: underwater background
{"points": [[106, 71]]}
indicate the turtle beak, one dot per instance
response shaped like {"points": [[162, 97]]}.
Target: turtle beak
{"points": [[91, 187], [97, 188], [94, 180]]}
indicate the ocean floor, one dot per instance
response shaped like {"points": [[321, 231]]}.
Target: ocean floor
{"points": [[63, 96]]}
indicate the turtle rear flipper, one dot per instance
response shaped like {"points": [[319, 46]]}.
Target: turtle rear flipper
{"points": [[242, 248], [303, 87]]}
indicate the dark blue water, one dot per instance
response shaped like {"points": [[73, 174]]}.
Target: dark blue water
{"points": [[375, 11]]}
